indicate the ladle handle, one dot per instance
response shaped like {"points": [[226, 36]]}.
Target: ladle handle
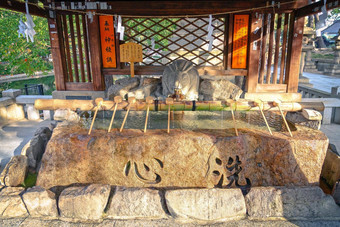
{"points": [[146, 118], [128, 109], [113, 116]]}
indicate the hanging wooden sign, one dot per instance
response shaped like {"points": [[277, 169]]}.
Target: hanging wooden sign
{"points": [[240, 42], [107, 36], [131, 52]]}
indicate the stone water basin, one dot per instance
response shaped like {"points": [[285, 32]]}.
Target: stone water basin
{"points": [[196, 158]]}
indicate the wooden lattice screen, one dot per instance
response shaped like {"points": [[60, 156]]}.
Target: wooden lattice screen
{"points": [[76, 49], [275, 33], [165, 40]]}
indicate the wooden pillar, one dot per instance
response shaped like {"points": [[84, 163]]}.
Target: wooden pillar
{"points": [[294, 53], [95, 54], [58, 53], [254, 51]]}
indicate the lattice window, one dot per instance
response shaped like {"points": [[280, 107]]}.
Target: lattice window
{"points": [[167, 39]]}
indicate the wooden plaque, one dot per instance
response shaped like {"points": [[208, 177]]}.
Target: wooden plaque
{"points": [[107, 36], [240, 42], [131, 52]]}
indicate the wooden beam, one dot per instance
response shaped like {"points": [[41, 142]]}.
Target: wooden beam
{"points": [[20, 7], [158, 70], [74, 86], [190, 7], [254, 51], [57, 53], [294, 53], [95, 54]]}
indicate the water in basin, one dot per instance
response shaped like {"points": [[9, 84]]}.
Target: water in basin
{"points": [[189, 120]]}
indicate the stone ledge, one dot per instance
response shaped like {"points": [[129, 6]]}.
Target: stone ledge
{"points": [[136, 203], [209, 205], [296, 203], [6, 101]]}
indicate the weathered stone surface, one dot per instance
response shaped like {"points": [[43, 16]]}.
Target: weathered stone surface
{"points": [[219, 90], [84, 202], [11, 204], [336, 192], [34, 150], [296, 118], [66, 114], [182, 75], [214, 205], [122, 87], [40, 202], [15, 171], [131, 203], [331, 168], [182, 158], [290, 203], [15, 112], [143, 91]]}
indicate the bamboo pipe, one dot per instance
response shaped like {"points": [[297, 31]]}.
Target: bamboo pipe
{"points": [[169, 102], [99, 102], [277, 103], [148, 100], [230, 102], [242, 105], [117, 100], [131, 100], [258, 103]]}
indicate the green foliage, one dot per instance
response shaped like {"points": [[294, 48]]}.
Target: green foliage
{"points": [[47, 82], [30, 180], [335, 14], [16, 54]]}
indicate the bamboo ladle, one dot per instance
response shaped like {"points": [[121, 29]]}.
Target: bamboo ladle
{"points": [[230, 103], [131, 100], [169, 102], [148, 100], [259, 103], [117, 100], [277, 103], [99, 102]]}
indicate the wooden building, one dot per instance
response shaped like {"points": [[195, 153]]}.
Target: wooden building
{"points": [[258, 39]]}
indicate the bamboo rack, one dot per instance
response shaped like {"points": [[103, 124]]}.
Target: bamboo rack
{"points": [[141, 105]]}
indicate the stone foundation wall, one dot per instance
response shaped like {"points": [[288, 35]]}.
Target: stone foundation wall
{"points": [[98, 202]]}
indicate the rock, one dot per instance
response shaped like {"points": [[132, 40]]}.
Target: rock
{"points": [[135, 203], [11, 204], [331, 168], [215, 205], [182, 75], [86, 203], [15, 171], [142, 92], [40, 202], [336, 192], [182, 158], [292, 203], [219, 90], [296, 118], [149, 80], [15, 112], [44, 131], [66, 115], [311, 115], [122, 87], [34, 150]]}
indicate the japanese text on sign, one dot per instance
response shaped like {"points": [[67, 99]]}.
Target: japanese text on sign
{"points": [[240, 42], [131, 52], [107, 36]]}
